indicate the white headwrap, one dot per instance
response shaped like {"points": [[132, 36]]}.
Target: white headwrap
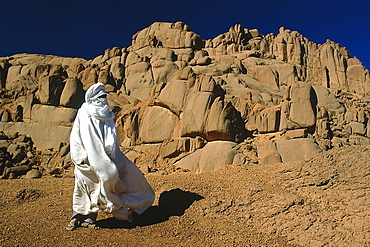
{"points": [[96, 106]]}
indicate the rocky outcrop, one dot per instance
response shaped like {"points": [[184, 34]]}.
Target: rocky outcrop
{"points": [[18, 157], [273, 98], [170, 35]]}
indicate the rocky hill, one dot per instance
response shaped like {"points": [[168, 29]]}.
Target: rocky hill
{"points": [[184, 103]]}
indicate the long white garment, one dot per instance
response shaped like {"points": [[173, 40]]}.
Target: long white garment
{"points": [[105, 179]]}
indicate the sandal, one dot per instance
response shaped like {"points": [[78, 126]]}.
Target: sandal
{"points": [[90, 225], [72, 225]]}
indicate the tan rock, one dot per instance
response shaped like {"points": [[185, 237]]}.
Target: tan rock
{"points": [[172, 95], [264, 119], [88, 77], [33, 173], [74, 69], [205, 90], [301, 109], [52, 124], [163, 70], [139, 79], [358, 140], [298, 133], [297, 149], [358, 78], [193, 118], [271, 157], [170, 35], [157, 125], [72, 94], [333, 60], [4, 115], [265, 75], [328, 100], [118, 71], [27, 106], [13, 73], [220, 123], [169, 148], [34, 70], [210, 158], [110, 53], [357, 128], [50, 89], [16, 81], [4, 66], [323, 128], [138, 68], [205, 83]]}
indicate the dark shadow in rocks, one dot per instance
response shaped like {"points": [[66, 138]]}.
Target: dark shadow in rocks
{"points": [[171, 203]]}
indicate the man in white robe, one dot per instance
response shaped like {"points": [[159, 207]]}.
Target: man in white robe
{"points": [[105, 179]]}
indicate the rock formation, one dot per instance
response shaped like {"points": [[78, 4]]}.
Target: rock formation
{"points": [[186, 103]]}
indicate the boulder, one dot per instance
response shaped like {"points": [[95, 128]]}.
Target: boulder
{"points": [[16, 171], [328, 100], [74, 69], [194, 116], [303, 101], [210, 158], [11, 76], [357, 128], [52, 124], [163, 70], [72, 94], [117, 70], [21, 83], [264, 119], [265, 75], [88, 77], [293, 134], [297, 149], [157, 125], [4, 66], [172, 95], [33, 173], [205, 83], [223, 122], [271, 157]]}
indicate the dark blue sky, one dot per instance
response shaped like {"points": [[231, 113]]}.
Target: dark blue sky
{"points": [[82, 28]]}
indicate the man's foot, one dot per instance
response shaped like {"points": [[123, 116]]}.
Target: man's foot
{"points": [[72, 225]]}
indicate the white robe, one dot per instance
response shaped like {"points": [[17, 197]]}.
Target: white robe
{"points": [[104, 181]]}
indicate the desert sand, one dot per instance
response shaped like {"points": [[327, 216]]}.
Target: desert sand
{"points": [[320, 202]]}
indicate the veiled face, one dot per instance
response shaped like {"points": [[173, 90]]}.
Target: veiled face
{"points": [[96, 91], [96, 102], [100, 101]]}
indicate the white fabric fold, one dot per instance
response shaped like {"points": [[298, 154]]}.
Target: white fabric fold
{"points": [[105, 179]]}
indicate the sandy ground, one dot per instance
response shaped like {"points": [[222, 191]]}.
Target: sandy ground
{"points": [[320, 202]]}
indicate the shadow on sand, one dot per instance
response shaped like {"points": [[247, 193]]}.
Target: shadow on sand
{"points": [[171, 203]]}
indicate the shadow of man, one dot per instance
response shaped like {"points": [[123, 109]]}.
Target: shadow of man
{"points": [[171, 203]]}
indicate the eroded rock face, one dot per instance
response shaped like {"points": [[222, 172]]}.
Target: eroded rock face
{"points": [[173, 93]]}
